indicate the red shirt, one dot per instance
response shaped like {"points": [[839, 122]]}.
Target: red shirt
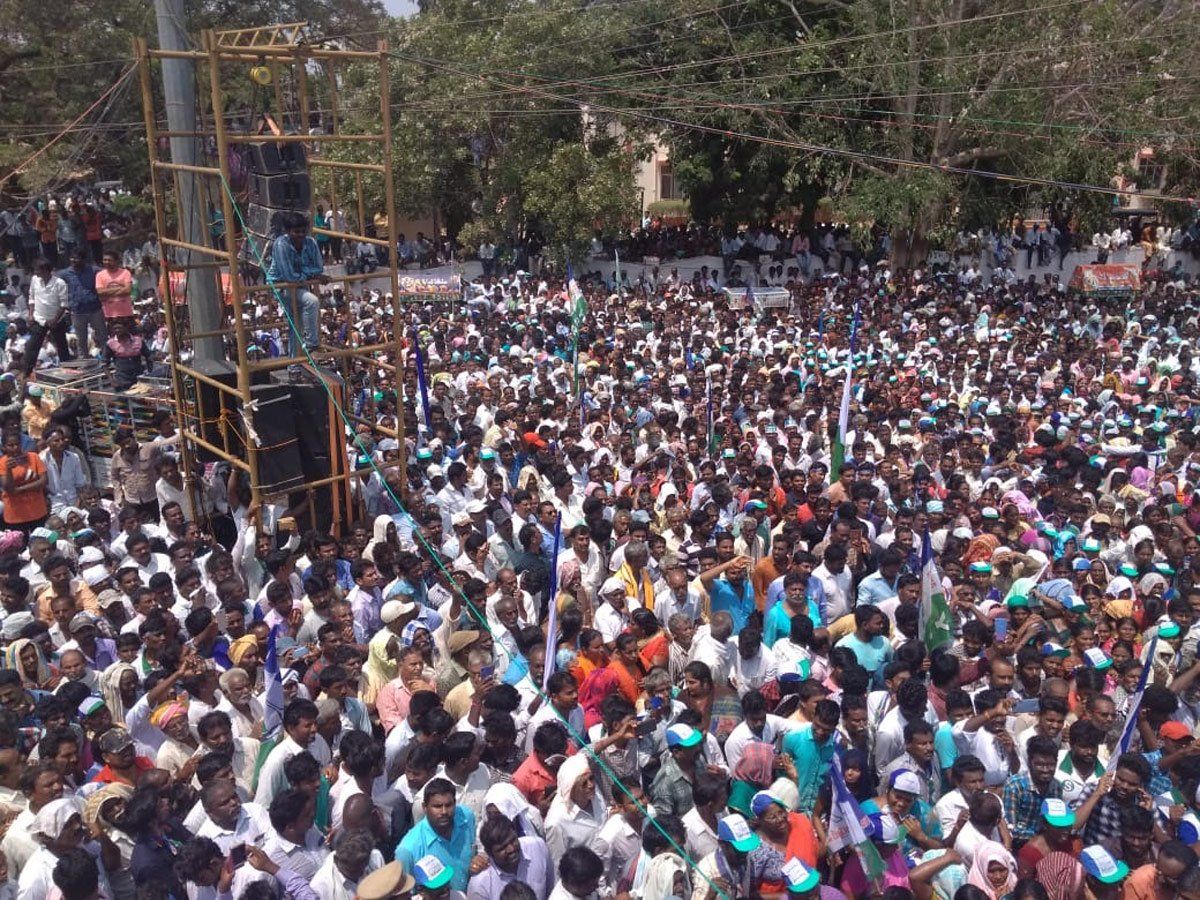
{"points": [[532, 779], [108, 776]]}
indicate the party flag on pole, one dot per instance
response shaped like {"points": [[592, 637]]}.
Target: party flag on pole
{"points": [[273, 702], [848, 825], [552, 616], [839, 445], [937, 627], [422, 384]]}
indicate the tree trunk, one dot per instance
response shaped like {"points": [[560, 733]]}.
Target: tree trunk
{"points": [[910, 248]]}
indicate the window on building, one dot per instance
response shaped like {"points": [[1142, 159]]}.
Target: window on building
{"points": [[666, 182], [1149, 171]]}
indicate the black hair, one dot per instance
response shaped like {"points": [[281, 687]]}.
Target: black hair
{"points": [[297, 711], [76, 875], [302, 767], [287, 807]]}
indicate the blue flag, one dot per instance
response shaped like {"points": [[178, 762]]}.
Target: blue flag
{"points": [[552, 616], [273, 697], [1135, 702], [422, 385]]}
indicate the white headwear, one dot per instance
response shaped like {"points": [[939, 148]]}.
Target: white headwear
{"points": [[52, 818], [660, 877], [512, 805]]}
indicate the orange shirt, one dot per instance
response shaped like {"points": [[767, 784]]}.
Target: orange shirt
{"points": [[656, 652], [1142, 884], [628, 683], [27, 506]]}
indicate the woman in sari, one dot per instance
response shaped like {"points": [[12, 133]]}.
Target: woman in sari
{"points": [[596, 686], [25, 657], [784, 835]]}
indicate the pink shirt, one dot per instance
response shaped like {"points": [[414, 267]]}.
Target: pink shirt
{"points": [[119, 306]]}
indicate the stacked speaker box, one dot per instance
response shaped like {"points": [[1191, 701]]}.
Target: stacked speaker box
{"points": [[277, 182], [217, 410]]}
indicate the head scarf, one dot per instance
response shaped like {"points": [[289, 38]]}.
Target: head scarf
{"points": [[239, 648], [513, 806], [756, 764], [380, 667], [52, 818], [599, 684], [12, 660], [1018, 499], [986, 853], [166, 711], [1117, 585], [1062, 875], [110, 688], [569, 773], [378, 536], [981, 549], [409, 634], [660, 877]]}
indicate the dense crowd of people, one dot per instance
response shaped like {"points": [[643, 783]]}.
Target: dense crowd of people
{"points": [[891, 593]]}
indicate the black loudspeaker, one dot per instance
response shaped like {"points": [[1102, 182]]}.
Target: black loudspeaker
{"points": [[286, 191], [273, 159], [279, 466], [264, 221], [211, 405]]}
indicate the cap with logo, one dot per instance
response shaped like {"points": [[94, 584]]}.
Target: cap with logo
{"points": [[905, 780], [1095, 658], [762, 801], [799, 877], [431, 873], [1058, 814], [1100, 864], [683, 736], [733, 830], [1053, 648]]}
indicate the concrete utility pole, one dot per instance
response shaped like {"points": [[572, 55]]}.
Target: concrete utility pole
{"points": [[179, 91]]}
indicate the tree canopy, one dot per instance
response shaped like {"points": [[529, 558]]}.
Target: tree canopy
{"points": [[924, 115]]}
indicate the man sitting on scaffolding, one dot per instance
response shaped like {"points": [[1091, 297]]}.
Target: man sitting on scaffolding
{"points": [[296, 258]]}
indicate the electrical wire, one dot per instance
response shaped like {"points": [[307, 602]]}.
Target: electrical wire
{"points": [[20, 167], [808, 147]]}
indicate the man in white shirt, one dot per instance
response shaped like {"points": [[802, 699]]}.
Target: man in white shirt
{"points": [[300, 734], [757, 725], [228, 821], [65, 471], [353, 857], [987, 736], [48, 302], [612, 616]]}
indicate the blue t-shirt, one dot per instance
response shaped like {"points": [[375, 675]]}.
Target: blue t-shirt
{"points": [[944, 746], [726, 599], [812, 761], [423, 841], [872, 655]]}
